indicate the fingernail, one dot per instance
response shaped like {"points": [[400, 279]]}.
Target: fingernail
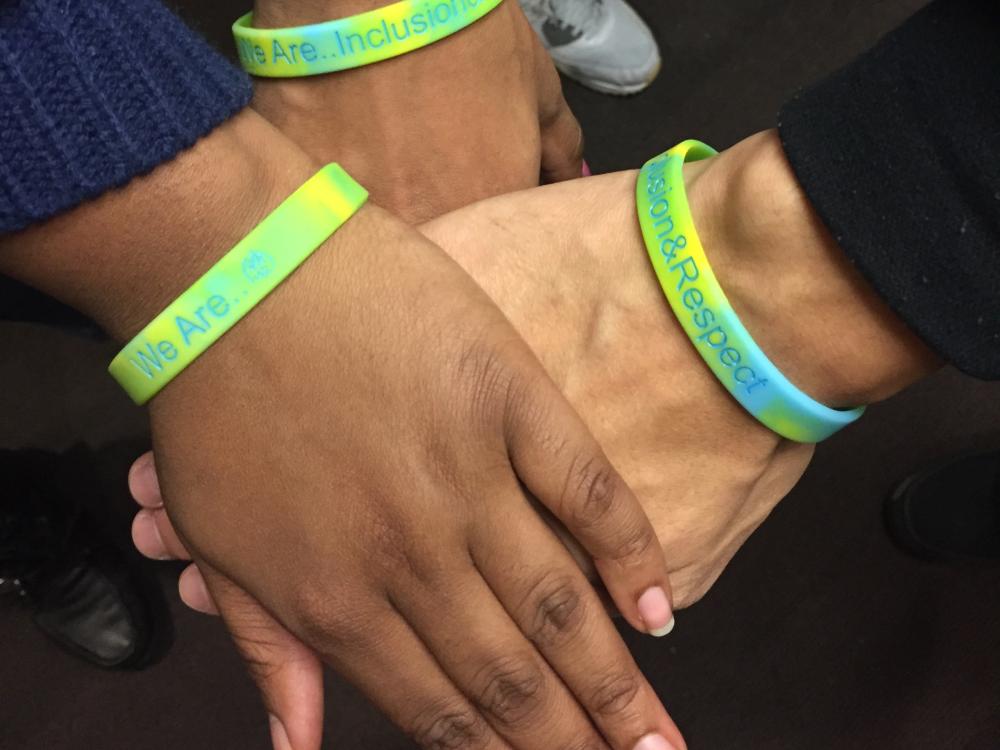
{"points": [[653, 742], [144, 518], [665, 630], [586, 169], [654, 609], [279, 737], [145, 480]]}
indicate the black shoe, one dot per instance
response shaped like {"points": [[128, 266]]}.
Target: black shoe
{"points": [[949, 512], [84, 595], [91, 608]]}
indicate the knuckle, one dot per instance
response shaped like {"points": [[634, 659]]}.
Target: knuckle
{"points": [[635, 544], [393, 548], [487, 378], [592, 489], [557, 609], [326, 623], [387, 541], [449, 726], [511, 691], [614, 694]]}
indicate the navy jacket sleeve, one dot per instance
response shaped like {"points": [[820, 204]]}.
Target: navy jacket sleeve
{"points": [[96, 92], [899, 152]]}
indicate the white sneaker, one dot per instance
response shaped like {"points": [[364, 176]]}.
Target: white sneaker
{"points": [[603, 44]]}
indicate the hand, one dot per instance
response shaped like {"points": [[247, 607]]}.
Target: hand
{"points": [[584, 296], [568, 267], [342, 462], [706, 472], [585, 299], [478, 114]]}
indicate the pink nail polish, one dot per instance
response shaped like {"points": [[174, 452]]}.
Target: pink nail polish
{"points": [[654, 609], [653, 742], [586, 169]]}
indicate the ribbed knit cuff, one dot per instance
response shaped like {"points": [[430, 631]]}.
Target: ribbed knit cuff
{"points": [[95, 93], [898, 152]]}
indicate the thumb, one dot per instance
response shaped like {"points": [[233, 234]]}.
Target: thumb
{"points": [[561, 134], [287, 672], [562, 146]]}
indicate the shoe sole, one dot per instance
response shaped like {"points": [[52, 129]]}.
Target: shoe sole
{"points": [[614, 89]]}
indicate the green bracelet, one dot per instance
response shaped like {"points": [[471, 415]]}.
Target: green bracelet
{"points": [[704, 312], [355, 41], [234, 285]]}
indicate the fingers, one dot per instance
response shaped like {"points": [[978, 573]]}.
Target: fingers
{"points": [[562, 147], [554, 605], [287, 672], [142, 482], [152, 531], [561, 464], [194, 592], [562, 136], [154, 536], [148, 540], [382, 656], [490, 660]]}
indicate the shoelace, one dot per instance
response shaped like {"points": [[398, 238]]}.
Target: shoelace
{"points": [[574, 15]]}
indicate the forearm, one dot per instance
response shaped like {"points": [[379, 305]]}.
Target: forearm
{"points": [[122, 258]]}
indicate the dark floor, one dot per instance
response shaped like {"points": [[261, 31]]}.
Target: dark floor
{"points": [[820, 635]]}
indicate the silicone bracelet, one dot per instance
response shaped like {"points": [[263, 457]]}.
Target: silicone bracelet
{"points": [[234, 285], [355, 41], [704, 311]]}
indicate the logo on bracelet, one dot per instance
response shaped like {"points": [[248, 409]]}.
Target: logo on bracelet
{"points": [[257, 266]]}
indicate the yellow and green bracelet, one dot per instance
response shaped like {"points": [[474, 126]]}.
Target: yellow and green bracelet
{"points": [[355, 41], [705, 314], [234, 285]]}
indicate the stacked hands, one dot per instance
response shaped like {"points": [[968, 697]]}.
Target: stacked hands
{"points": [[416, 459], [566, 265]]}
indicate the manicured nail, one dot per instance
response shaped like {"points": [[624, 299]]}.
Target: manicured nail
{"points": [[654, 609], [279, 737], [665, 630], [586, 169], [653, 742]]}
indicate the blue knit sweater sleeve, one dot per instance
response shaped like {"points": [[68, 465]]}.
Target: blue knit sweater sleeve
{"points": [[96, 92]]}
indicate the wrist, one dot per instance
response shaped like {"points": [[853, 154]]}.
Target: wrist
{"points": [[124, 257], [813, 314]]}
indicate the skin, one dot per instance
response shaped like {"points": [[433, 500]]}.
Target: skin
{"points": [[478, 114], [517, 125], [567, 265], [284, 620], [389, 405]]}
